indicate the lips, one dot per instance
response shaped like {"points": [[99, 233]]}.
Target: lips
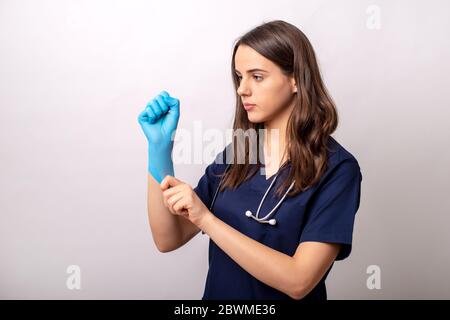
{"points": [[248, 106]]}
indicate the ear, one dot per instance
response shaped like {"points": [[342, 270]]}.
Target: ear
{"points": [[294, 85]]}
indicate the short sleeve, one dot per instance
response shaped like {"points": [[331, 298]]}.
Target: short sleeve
{"points": [[207, 184], [333, 208]]}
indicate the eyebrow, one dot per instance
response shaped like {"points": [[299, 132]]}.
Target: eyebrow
{"points": [[252, 70]]}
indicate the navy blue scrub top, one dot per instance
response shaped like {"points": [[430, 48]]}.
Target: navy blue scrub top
{"points": [[324, 213]]}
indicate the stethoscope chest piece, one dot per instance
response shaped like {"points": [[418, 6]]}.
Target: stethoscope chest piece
{"points": [[249, 214], [256, 217]]}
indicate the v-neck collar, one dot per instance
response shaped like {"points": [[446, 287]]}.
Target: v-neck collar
{"points": [[286, 163], [260, 183], [281, 168]]}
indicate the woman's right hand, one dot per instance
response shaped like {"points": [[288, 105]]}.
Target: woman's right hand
{"points": [[159, 121]]}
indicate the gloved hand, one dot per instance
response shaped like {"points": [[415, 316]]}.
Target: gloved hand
{"points": [[159, 121]]}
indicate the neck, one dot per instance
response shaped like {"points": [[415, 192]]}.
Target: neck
{"points": [[273, 126]]}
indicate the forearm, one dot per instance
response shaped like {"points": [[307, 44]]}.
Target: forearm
{"points": [[164, 225], [269, 266]]}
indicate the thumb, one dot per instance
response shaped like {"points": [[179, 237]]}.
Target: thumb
{"points": [[173, 103], [171, 119], [169, 181]]}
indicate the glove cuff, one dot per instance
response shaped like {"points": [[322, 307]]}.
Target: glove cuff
{"points": [[160, 162]]}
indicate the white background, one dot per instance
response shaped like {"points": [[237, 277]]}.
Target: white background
{"points": [[74, 75]]}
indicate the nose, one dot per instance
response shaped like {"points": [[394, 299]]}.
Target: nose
{"points": [[243, 89]]}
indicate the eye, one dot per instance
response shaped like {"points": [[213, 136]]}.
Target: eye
{"points": [[257, 78]]}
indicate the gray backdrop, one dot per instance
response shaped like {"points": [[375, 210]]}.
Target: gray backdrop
{"points": [[75, 74]]}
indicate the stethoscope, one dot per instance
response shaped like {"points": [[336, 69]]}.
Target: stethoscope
{"points": [[248, 213]]}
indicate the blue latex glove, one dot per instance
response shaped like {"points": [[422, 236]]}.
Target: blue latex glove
{"points": [[159, 121]]}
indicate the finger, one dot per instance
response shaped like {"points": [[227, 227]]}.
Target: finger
{"points": [[162, 105], [166, 194], [171, 210], [180, 206], [143, 117], [174, 200], [174, 107], [164, 93], [164, 185], [172, 102], [171, 207], [170, 192], [151, 114], [169, 181], [157, 108], [168, 206]]}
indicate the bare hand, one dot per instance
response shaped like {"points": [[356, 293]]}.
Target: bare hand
{"points": [[181, 199]]}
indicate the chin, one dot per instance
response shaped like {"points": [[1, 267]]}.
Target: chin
{"points": [[255, 118]]}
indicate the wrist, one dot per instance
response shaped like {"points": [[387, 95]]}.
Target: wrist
{"points": [[206, 221], [163, 148], [159, 173], [160, 162]]}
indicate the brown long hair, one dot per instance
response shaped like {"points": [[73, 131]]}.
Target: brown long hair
{"points": [[314, 116]]}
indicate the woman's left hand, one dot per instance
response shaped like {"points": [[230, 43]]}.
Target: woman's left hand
{"points": [[181, 199]]}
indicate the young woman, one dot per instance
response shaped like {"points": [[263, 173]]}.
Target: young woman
{"points": [[277, 234]]}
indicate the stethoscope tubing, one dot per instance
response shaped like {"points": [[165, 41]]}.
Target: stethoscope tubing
{"points": [[248, 213]]}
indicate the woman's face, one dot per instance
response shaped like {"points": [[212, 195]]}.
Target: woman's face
{"points": [[269, 89]]}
